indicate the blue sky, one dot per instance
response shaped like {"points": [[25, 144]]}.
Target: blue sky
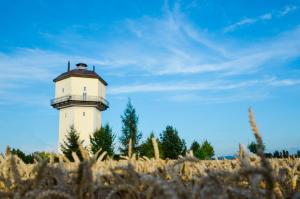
{"points": [[196, 65]]}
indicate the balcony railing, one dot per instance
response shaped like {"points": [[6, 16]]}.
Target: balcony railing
{"points": [[79, 98]]}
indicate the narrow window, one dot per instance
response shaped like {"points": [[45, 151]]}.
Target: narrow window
{"points": [[63, 89], [65, 114], [84, 88], [83, 113]]}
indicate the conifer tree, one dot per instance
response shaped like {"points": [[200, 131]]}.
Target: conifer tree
{"points": [[203, 151], [253, 147], [207, 150], [27, 159], [130, 130], [147, 149], [195, 146], [171, 144], [71, 144], [103, 138]]}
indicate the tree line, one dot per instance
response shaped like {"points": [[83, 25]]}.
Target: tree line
{"points": [[276, 154], [170, 144]]}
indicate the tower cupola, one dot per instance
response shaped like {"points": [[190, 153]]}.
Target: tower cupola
{"points": [[81, 66]]}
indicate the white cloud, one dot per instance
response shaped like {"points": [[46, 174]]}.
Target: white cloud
{"points": [[167, 46], [287, 9], [197, 86], [267, 16], [173, 45], [238, 24], [285, 82], [248, 21]]}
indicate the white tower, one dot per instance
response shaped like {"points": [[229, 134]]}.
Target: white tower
{"points": [[80, 98]]}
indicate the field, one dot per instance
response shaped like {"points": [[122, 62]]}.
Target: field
{"points": [[186, 177], [248, 177]]}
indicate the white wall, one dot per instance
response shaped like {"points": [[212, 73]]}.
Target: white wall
{"points": [[85, 120], [75, 86]]}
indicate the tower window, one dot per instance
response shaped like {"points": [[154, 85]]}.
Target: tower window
{"points": [[83, 114], [65, 114], [63, 89], [84, 88]]}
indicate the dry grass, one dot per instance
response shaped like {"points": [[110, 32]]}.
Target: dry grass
{"points": [[246, 177]]}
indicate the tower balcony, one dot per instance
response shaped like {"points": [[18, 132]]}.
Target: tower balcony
{"points": [[80, 100]]}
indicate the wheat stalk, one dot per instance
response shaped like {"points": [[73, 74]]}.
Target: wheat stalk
{"points": [[155, 147]]}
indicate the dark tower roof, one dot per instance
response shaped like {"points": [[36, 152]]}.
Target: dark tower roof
{"points": [[80, 71]]}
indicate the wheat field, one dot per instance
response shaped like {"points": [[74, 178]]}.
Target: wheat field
{"points": [[249, 176]]}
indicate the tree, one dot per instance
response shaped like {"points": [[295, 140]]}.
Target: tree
{"points": [[130, 129], [276, 154], [195, 147], [71, 144], [298, 153], [146, 148], [253, 147], [27, 159], [207, 149], [43, 154], [203, 151], [103, 138], [197, 151], [285, 154], [171, 144]]}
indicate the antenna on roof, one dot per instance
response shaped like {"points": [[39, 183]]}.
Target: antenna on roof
{"points": [[94, 68], [68, 66]]}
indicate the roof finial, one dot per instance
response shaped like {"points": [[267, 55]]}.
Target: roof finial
{"points": [[94, 68], [68, 66]]}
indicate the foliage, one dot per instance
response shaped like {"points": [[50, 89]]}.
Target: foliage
{"points": [[103, 138], [207, 149], [171, 144], [146, 148], [130, 129], [195, 146], [203, 151], [71, 144], [28, 159], [253, 147]]}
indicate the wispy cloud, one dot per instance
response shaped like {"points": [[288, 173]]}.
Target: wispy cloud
{"points": [[247, 21], [165, 46], [257, 96], [287, 9], [172, 45], [265, 17], [197, 86]]}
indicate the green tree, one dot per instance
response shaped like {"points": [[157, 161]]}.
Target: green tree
{"points": [[103, 138], [71, 144], [146, 148], [195, 146], [42, 154], [253, 147], [27, 159], [130, 130], [207, 150], [171, 144], [203, 151]]}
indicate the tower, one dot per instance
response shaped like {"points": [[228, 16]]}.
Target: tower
{"points": [[80, 98]]}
